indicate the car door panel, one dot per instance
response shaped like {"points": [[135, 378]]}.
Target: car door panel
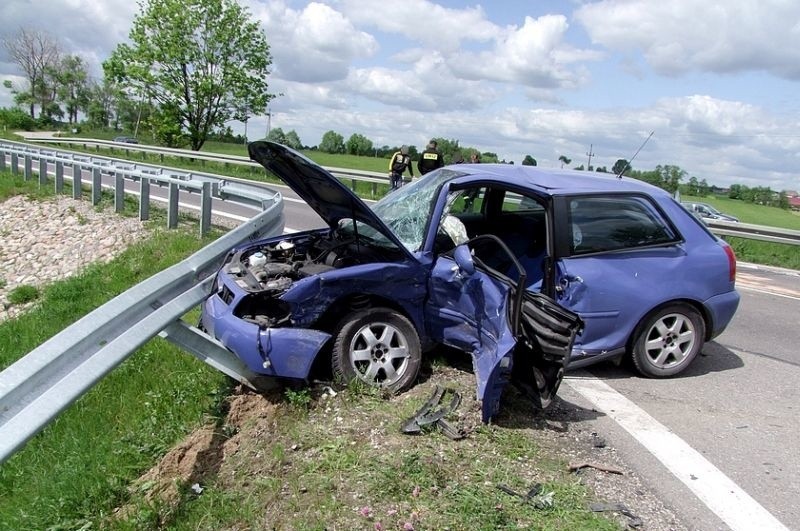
{"points": [[599, 287]]}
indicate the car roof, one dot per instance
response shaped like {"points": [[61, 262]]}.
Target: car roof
{"points": [[553, 181]]}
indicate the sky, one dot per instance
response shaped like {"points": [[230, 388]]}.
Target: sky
{"points": [[717, 83]]}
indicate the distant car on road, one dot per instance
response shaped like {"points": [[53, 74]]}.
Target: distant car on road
{"points": [[126, 139], [495, 260], [707, 212]]}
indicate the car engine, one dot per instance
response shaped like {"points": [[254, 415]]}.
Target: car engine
{"points": [[272, 268]]}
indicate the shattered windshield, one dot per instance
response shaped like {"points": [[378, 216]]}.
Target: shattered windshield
{"points": [[406, 211]]}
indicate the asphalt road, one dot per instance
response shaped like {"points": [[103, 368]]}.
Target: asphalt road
{"points": [[735, 409]]}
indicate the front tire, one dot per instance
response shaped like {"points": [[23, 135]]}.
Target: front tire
{"points": [[667, 341], [379, 347]]}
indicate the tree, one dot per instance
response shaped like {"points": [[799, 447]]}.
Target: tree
{"points": [[71, 85], [293, 140], [34, 52], [332, 142], [564, 160], [276, 135], [200, 61], [621, 167], [16, 118], [358, 144], [528, 161]]}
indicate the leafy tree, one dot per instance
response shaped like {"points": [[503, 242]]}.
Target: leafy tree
{"points": [[488, 156], [703, 188], [199, 60], [601, 169], [293, 140], [735, 191], [528, 161], [277, 135], [332, 142], [621, 167], [564, 160], [71, 85], [16, 118], [166, 125], [34, 52], [358, 144]]}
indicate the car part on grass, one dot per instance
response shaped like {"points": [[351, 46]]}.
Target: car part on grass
{"points": [[535, 495], [601, 507], [668, 340], [428, 415], [575, 467], [379, 347]]}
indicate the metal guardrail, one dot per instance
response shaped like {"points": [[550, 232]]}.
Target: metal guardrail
{"points": [[721, 228], [39, 386], [344, 174], [755, 232], [208, 186]]}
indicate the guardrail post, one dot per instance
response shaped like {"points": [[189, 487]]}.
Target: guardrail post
{"points": [[2, 160], [42, 171], [28, 167], [205, 209], [77, 174], [119, 192], [59, 187], [374, 189], [144, 199], [14, 164], [172, 209], [96, 188]]}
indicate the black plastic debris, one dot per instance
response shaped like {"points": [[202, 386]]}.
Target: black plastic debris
{"points": [[534, 496], [633, 520], [432, 414]]}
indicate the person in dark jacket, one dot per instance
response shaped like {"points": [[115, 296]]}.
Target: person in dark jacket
{"points": [[398, 164], [430, 159]]}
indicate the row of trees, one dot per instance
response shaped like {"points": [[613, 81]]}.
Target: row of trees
{"points": [[191, 66]]}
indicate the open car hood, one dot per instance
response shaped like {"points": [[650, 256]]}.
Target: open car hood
{"points": [[323, 192]]}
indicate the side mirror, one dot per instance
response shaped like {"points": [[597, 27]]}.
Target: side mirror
{"points": [[464, 261]]}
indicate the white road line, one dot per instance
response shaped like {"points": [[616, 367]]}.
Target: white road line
{"points": [[718, 492]]}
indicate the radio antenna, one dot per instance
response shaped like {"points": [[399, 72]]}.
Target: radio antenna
{"points": [[634, 155]]}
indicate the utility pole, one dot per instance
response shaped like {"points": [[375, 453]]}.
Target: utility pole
{"points": [[269, 121], [590, 154]]}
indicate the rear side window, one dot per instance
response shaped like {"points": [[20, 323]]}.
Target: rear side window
{"points": [[601, 224]]}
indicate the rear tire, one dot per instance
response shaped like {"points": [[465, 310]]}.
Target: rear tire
{"points": [[667, 341], [379, 347]]}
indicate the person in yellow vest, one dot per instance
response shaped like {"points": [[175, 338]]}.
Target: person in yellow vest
{"points": [[398, 164], [430, 159]]}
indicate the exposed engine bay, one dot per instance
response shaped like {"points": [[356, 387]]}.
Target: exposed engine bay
{"points": [[272, 268]]}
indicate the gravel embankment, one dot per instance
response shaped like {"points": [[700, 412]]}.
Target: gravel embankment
{"points": [[46, 240]]}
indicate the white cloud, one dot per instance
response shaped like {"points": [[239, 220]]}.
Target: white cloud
{"points": [[534, 55], [317, 44], [682, 35], [435, 26]]}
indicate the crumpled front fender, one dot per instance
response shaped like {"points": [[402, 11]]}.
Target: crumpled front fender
{"points": [[285, 352]]}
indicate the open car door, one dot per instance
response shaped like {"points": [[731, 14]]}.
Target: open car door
{"points": [[512, 334]]}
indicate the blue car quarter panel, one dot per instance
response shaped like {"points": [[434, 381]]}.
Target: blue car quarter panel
{"points": [[721, 309], [469, 312], [285, 352]]}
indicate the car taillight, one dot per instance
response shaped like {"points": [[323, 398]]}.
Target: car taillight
{"points": [[731, 262]]}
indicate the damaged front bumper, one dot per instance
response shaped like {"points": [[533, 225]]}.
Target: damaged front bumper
{"points": [[284, 352]]}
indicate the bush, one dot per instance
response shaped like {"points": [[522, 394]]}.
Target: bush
{"points": [[23, 294], [16, 118]]}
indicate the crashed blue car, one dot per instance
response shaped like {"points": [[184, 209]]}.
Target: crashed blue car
{"points": [[525, 270]]}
